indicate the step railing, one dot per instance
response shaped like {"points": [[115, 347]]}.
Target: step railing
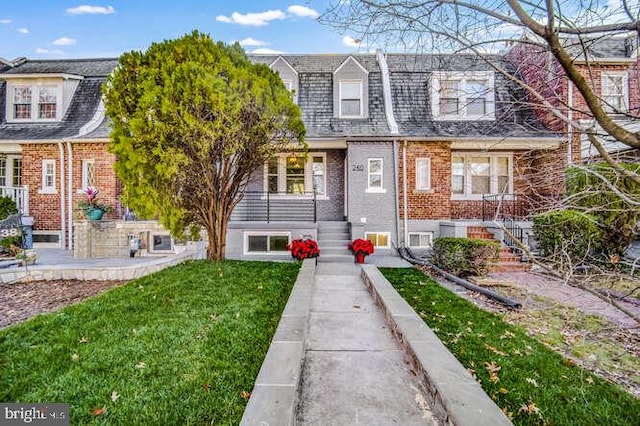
{"points": [[262, 206], [20, 195]]}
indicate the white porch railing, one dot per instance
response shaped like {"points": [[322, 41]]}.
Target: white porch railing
{"points": [[19, 194]]}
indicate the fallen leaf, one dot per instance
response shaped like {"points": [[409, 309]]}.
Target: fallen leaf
{"points": [[83, 339], [493, 369], [503, 391], [98, 411], [589, 380], [245, 395], [75, 357], [207, 387], [214, 317], [114, 396], [495, 350], [141, 365]]}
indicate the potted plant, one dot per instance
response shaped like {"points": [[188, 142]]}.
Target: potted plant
{"points": [[93, 209], [303, 248], [360, 249]]}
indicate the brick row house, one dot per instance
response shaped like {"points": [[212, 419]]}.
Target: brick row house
{"points": [[610, 66], [402, 148]]}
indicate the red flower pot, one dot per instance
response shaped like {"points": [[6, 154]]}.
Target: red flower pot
{"points": [[359, 257]]}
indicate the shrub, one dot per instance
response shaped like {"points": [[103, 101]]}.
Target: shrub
{"points": [[567, 238], [7, 207], [616, 217], [464, 256]]}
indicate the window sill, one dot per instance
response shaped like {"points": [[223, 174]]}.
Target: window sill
{"points": [[424, 191], [32, 121], [477, 197], [48, 191], [464, 117], [376, 191]]}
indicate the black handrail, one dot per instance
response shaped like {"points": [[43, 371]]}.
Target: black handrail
{"points": [[264, 206]]}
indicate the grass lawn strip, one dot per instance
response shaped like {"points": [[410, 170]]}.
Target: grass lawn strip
{"points": [[182, 346], [530, 382]]}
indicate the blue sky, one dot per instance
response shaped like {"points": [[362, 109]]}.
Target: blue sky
{"points": [[80, 29]]}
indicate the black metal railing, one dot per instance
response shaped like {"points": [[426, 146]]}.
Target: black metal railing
{"points": [[260, 206], [500, 206]]}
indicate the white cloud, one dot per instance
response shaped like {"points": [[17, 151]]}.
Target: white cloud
{"points": [[303, 11], [86, 9], [49, 52], [5, 21], [252, 19], [23, 30], [265, 51], [251, 42], [351, 42], [64, 41]]}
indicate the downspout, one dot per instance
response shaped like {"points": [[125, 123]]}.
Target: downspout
{"points": [[405, 198], [569, 127], [396, 206], [63, 229], [70, 193]]}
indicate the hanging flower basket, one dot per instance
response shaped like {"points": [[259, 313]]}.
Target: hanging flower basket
{"points": [[361, 248], [303, 248]]}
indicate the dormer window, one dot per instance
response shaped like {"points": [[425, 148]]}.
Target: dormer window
{"points": [[351, 99], [463, 96], [34, 102]]}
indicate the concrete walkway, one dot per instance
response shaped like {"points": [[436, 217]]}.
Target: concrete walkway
{"points": [[354, 371]]}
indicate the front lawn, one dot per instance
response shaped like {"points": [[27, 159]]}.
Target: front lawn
{"points": [[530, 382], [182, 346]]}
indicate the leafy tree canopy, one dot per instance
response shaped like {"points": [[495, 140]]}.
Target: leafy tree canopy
{"points": [[192, 119]]}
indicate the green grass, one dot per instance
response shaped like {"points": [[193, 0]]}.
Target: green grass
{"points": [[176, 347], [534, 384]]}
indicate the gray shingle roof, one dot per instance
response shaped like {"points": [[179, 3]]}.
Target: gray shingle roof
{"points": [[606, 46], [84, 67]]}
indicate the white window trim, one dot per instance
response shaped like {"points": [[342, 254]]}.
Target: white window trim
{"points": [[487, 76], [351, 81], [375, 189], [85, 174], [625, 87], [388, 235], [428, 187], [288, 84], [428, 234], [308, 176], [48, 189], [247, 234], [35, 100], [493, 177]]}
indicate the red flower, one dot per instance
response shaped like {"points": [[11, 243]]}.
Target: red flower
{"points": [[303, 248], [364, 247]]}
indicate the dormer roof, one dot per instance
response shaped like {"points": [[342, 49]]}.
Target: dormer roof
{"points": [[280, 61], [350, 60]]}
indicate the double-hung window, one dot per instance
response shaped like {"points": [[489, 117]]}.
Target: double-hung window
{"points": [[295, 174], [615, 91], [423, 174], [22, 96], [375, 175], [351, 99], [48, 176], [463, 95], [474, 175]]}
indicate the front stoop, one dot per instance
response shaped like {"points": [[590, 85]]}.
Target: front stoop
{"points": [[508, 261], [333, 240]]}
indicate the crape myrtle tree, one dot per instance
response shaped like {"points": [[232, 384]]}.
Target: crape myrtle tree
{"points": [[558, 36], [191, 120]]}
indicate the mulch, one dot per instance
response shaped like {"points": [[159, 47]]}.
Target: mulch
{"points": [[21, 301]]}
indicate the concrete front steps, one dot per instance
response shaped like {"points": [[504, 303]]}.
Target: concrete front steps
{"points": [[333, 240], [508, 261]]}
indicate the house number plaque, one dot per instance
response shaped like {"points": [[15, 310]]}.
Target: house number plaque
{"points": [[357, 167]]}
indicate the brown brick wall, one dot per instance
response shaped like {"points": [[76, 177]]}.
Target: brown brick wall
{"points": [[45, 208], [435, 203]]}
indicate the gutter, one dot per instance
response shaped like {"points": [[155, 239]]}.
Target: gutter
{"points": [[396, 207], [405, 197]]}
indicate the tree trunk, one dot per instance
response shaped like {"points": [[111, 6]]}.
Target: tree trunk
{"points": [[216, 226]]}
